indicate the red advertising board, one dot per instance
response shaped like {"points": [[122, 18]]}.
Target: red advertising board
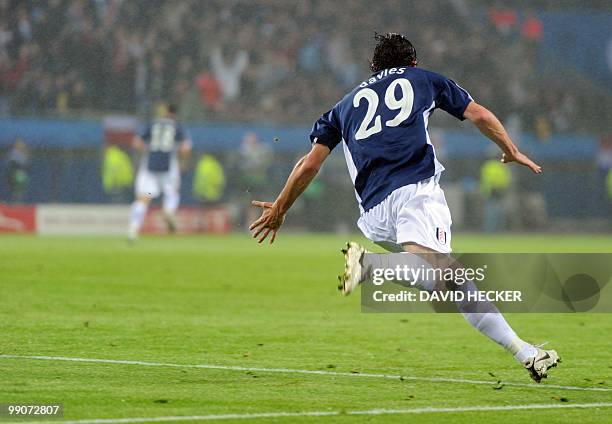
{"points": [[107, 219], [190, 221], [119, 129], [17, 219]]}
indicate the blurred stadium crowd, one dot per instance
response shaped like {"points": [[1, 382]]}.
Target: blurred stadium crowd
{"points": [[272, 61]]}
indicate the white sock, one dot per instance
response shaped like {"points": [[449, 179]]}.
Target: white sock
{"points": [[171, 202], [486, 318], [522, 350], [495, 327], [139, 210]]}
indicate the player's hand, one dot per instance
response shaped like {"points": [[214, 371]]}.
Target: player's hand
{"points": [[269, 222], [522, 159]]}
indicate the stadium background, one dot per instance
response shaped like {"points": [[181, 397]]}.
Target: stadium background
{"points": [[189, 326], [76, 76]]}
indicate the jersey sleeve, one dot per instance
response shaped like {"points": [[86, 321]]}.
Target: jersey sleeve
{"points": [[326, 130], [145, 133], [451, 98]]}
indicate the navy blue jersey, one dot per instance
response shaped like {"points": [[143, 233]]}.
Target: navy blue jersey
{"points": [[383, 123], [162, 138]]}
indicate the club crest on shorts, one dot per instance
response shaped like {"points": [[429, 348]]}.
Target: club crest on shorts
{"points": [[441, 235]]}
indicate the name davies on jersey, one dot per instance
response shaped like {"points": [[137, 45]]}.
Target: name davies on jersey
{"points": [[449, 296], [381, 75]]}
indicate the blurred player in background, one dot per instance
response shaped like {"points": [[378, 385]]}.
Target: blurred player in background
{"points": [[17, 171], [164, 149], [382, 125]]}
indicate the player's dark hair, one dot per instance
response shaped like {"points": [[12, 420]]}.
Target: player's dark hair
{"points": [[392, 50], [171, 108]]}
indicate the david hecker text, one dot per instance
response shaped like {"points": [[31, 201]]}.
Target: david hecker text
{"points": [[449, 296]]}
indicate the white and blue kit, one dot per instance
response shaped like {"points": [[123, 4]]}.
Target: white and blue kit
{"points": [[159, 171], [382, 125]]}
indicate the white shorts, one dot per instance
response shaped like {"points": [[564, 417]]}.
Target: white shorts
{"points": [[153, 184], [415, 213]]}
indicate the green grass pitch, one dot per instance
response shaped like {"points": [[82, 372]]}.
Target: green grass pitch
{"points": [[226, 301]]}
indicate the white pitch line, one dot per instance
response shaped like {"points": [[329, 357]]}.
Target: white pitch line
{"points": [[426, 410], [299, 371]]}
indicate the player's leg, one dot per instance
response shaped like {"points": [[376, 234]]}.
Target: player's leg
{"points": [[424, 229], [484, 316], [171, 187], [488, 320], [146, 189], [422, 222], [379, 225], [137, 214]]}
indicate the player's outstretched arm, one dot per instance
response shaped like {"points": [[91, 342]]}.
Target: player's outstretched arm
{"points": [[273, 214], [139, 147], [184, 154], [489, 125]]}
